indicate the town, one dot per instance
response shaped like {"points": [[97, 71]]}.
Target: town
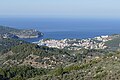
{"points": [[77, 44]]}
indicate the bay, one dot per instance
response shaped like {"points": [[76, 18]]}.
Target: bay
{"points": [[61, 28]]}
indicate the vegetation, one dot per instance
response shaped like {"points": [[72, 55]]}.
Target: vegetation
{"points": [[102, 68], [22, 51], [113, 44], [21, 72], [23, 61], [69, 65], [7, 43], [20, 60], [4, 29], [8, 32]]}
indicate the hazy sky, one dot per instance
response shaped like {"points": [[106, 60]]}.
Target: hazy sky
{"points": [[60, 8]]}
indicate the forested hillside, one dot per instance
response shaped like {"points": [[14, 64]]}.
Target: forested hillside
{"points": [[33, 62]]}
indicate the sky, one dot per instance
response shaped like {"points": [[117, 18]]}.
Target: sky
{"points": [[60, 8]]}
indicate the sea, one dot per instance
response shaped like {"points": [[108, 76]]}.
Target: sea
{"points": [[61, 28]]}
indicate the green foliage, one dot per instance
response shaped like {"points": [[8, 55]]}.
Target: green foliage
{"points": [[22, 51], [4, 29], [113, 44], [58, 71], [99, 69], [92, 69], [71, 67], [17, 78], [21, 72], [100, 75], [5, 44]]}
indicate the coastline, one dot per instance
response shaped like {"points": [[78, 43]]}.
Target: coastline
{"points": [[69, 35]]}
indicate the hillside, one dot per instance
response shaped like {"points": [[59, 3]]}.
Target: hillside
{"points": [[33, 62], [7, 32], [98, 68], [36, 60], [113, 44], [7, 43]]}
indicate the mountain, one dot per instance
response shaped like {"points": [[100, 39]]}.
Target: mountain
{"points": [[7, 32]]}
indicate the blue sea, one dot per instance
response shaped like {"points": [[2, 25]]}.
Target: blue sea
{"points": [[60, 28]]}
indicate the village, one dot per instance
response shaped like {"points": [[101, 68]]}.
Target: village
{"points": [[77, 44]]}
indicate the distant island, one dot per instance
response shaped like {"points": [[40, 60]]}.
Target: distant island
{"points": [[7, 32]]}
